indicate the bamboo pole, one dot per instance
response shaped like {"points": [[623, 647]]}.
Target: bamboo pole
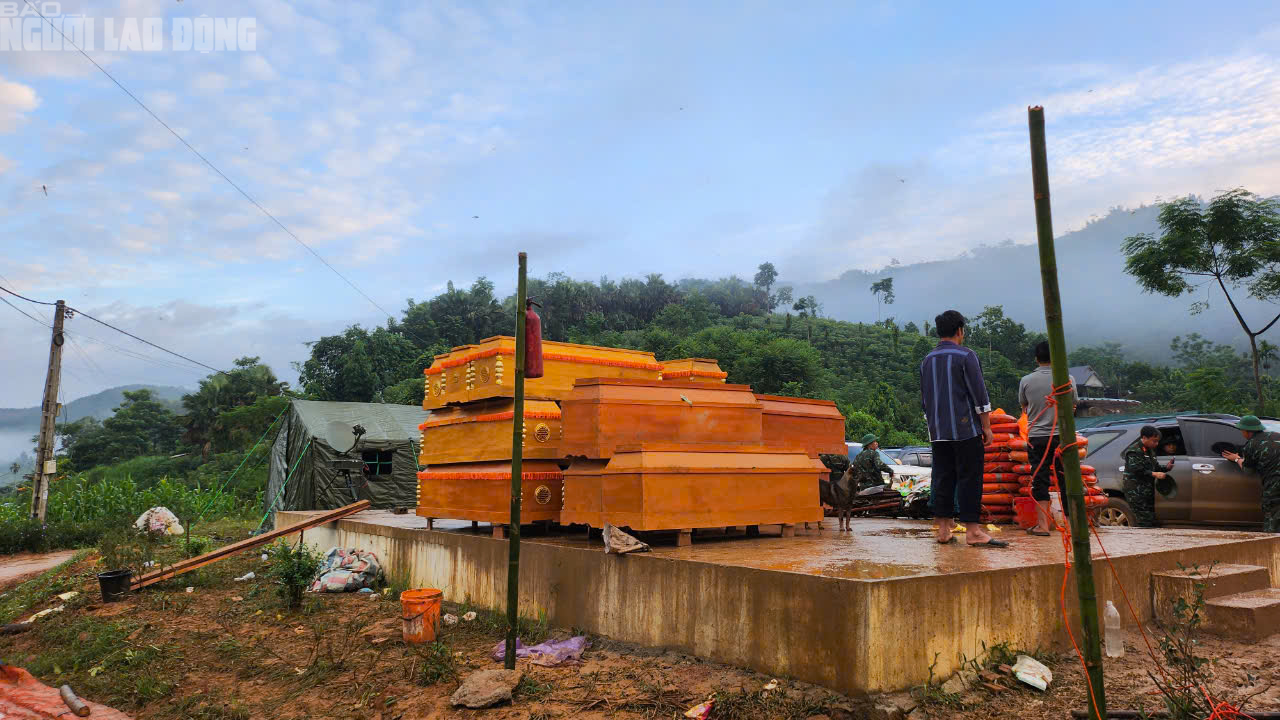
{"points": [[1066, 416], [517, 457]]}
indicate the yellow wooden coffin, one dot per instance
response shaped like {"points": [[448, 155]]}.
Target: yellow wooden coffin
{"points": [[603, 413], [487, 370], [693, 370], [482, 491], [815, 425], [481, 431], [685, 486]]}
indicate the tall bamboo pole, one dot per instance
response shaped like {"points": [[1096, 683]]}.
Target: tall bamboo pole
{"points": [[1066, 416], [517, 458]]}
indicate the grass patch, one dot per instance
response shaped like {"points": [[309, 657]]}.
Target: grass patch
{"points": [[100, 661], [531, 631], [931, 693], [24, 599], [435, 663], [531, 689], [743, 705]]}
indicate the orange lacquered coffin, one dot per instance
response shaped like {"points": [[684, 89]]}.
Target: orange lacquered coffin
{"points": [[487, 370], [603, 413], [482, 431], [657, 486], [693, 370], [815, 425], [482, 491]]}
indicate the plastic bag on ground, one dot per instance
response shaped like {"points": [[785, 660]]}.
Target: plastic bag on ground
{"points": [[1032, 672], [159, 520], [347, 570], [547, 654], [616, 541]]}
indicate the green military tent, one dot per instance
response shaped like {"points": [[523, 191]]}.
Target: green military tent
{"points": [[385, 460]]}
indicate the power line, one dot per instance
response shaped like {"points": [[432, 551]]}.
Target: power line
{"points": [[146, 342], [122, 332], [133, 353], [24, 297], [24, 312], [206, 161]]}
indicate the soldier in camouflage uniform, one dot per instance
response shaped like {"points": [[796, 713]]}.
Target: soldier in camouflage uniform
{"points": [[1261, 453], [1141, 470], [868, 466]]}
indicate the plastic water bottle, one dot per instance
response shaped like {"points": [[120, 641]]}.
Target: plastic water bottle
{"points": [[1115, 639]]}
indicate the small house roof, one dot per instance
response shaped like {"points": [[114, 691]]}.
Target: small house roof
{"points": [[1085, 376]]}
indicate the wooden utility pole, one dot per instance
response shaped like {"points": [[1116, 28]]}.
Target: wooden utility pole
{"points": [[44, 471], [517, 457], [1066, 418]]}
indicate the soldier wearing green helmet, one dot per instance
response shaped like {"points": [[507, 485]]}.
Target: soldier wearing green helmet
{"points": [[867, 467], [1261, 453]]}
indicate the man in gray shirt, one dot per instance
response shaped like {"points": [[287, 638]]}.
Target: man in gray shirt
{"points": [[1033, 392]]}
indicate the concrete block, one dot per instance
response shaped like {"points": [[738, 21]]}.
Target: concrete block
{"points": [[1168, 586], [1248, 616]]}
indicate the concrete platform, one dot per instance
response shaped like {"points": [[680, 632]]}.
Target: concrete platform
{"points": [[865, 611]]}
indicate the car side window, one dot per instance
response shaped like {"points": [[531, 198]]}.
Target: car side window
{"points": [[926, 460], [1101, 439], [1209, 439]]}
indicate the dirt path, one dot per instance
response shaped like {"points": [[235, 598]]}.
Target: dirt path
{"points": [[14, 567]]}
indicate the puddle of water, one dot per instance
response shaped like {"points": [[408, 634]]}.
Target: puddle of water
{"points": [[867, 570]]}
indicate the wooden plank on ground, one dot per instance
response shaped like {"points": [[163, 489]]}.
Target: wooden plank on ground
{"points": [[189, 564]]}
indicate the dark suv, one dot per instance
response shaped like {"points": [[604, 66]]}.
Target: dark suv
{"points": [[1211, 490]]}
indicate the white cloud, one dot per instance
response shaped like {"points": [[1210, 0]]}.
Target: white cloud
{"points": [[211, 82], [164, 196], [126, 156], [256, 67], [16, 100]]}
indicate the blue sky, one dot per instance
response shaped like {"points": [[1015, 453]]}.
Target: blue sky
{"points": [[604, 138]]}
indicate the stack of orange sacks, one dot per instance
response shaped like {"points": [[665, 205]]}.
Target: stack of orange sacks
{"points": [[999, 479], [1094, 497]]}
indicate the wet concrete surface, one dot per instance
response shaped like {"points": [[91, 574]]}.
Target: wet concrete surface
{"points": [[876, 549]]}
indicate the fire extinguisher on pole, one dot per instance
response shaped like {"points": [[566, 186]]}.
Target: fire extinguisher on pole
{"points": [[532, 340]]}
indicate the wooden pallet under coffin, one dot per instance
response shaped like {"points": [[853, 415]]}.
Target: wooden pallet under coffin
{"points": [[481, 431], [815, 425], [660, 486], [482, 491], [487, 370], [601, 414]]}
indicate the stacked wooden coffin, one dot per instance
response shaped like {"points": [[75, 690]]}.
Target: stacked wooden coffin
{"points": [[466, 443], [611, 436]]}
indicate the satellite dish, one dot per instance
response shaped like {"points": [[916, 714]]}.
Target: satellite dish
{"points": [[341, 436]]}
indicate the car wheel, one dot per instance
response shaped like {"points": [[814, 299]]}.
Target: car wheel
{"points": [[1116, 513]]}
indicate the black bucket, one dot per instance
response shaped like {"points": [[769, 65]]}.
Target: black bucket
{"points": [[114, 584]]}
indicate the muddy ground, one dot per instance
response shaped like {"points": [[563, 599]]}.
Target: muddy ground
{"points": [[228, 650]]}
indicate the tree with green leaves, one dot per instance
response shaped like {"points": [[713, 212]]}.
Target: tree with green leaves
{"points": [[883, 290], [1233, 242]]}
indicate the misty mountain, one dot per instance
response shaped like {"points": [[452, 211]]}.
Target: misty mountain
{"points": [[1099, 301], [99, 405], [17, 425]]}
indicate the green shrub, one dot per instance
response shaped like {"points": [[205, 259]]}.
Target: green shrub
{"points": [[292, 568]]}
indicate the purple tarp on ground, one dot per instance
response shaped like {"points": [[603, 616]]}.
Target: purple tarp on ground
{"points": [[548, 654]]}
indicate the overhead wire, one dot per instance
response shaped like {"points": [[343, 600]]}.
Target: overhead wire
{"points": [[209, 163], [104, 323]]}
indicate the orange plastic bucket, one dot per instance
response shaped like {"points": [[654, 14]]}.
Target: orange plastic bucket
{"points": [[420, 614], [1027, 512]]}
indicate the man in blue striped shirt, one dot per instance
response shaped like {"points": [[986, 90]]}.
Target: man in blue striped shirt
{"points": [[958, 409]]}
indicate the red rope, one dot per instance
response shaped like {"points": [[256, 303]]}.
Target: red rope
{"points": [[1220, 710]]}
